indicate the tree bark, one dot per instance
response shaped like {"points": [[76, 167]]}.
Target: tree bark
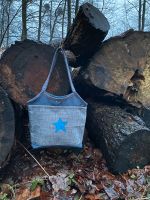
{"points": [[7, 127], [24, 68], [86, 33], [123, 137]]}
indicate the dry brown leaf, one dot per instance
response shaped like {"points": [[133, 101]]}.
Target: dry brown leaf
{"points": [[35, 194], [92, 197], [26, 194], [45, 196], [23, 194]]}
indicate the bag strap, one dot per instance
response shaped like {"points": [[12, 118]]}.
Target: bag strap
{"points": [[44, 88]]}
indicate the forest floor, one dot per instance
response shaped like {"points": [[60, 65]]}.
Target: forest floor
{"points": [[69, 176]]}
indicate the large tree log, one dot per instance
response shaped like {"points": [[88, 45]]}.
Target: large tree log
{"points": [[122, 67], [86, 33], [7, 127], [123, 137], [24, 68], [89, 91]]}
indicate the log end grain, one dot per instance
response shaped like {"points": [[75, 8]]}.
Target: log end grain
{"points": [[24, 68]]}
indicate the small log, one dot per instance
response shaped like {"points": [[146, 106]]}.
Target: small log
{"points": [[87, 32], [123, 137], [24, 68], [122, 67], [7, 127]]}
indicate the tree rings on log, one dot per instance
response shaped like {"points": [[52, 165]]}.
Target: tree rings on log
{"points": [[122, 67], [24, 68]]}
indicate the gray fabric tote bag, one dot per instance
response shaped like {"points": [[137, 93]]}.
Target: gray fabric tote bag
{"points": [[57, 121]]}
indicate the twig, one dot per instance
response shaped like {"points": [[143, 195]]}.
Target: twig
{"points": [[33, 158]]}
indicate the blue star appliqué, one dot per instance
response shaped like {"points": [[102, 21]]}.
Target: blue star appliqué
{"points": [[60, 125]]}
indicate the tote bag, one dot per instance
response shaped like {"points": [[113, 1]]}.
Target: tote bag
{"points": [[57, 121]]}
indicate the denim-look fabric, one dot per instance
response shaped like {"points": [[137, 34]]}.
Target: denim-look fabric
{"points": [[57, 120]]}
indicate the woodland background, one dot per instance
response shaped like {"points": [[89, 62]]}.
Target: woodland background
{"points": [[49, 20]]}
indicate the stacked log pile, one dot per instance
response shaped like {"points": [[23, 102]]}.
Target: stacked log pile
{"points": [[114, 78]]}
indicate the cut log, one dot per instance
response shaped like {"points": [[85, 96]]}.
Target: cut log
{"points": [[122, 67], [7, 127], [88, 30], [123, 137], [24, 67], [143, 113]]}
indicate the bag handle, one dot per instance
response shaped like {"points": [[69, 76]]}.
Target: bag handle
{"points": [[45, 85]]}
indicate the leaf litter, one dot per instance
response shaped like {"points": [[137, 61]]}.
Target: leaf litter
{"points": [[69, 175]]}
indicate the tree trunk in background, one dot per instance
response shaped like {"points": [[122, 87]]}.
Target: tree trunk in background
{"points": [[54, 22], [50, 15], [53, 29], [139, 15], [2, 20], [24, 20], [8, 21], [69, 15], [40, 20], [76, 7], [63, 17], [143, 15]]}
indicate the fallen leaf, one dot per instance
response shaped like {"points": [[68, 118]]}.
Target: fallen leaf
{"points": [[23, 194], [35, 194], [93, 197]]}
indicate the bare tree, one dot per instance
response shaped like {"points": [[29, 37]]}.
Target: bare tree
{"points": [[8, 6], [9, 21], [2, 18], [63, 19], [58, 13], [24, 20], [69, 14], [76, 6], [40, 19], [143, 15], [139, 14]]}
